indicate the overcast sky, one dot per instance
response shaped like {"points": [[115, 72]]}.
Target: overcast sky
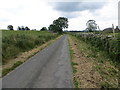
{"points": [[40, 13]]}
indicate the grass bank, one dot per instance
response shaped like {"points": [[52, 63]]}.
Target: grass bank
{"points": [[17, 42], [11, 64], [101, 72], [73, 64]]}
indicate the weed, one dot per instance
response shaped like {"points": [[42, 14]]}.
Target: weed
{"points": [[75, 82], [73, 63], [6, 71], [16, 64]]}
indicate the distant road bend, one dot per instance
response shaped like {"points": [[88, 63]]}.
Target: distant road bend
{"points": [[50, 68]]}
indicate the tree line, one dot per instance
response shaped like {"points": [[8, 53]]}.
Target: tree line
{"points": [[10, 27], [57, 26]]}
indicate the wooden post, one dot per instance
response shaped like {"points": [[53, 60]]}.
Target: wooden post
{"points": [[113, 30]]}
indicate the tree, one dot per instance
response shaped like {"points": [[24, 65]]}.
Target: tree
{"points": [[19, 28], [43, 29], [59, 24], [26, 28], [52, 28], [10, 27], [117, 28], [91, 25], [22, 28]]}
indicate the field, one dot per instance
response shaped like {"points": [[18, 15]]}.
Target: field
{"points": [[16, 42]]}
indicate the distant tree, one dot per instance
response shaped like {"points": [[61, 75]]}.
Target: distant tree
{"points": [[59, 24], [117, 28], [91, 25], [10, 27], [22, 28], [19, 28], [26, 28], [43, 29]]}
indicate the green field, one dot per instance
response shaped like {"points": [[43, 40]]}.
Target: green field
{"points": [[16, 42]]}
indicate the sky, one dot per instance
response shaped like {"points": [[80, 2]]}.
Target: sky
{"points": [[41, 13]]}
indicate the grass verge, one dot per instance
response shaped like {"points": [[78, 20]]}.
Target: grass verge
{"points": [[102, 64], [17, 42], [73, 64], [8, 68]]}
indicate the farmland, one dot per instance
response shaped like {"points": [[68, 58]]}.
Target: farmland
{"points": [[16, 42]]}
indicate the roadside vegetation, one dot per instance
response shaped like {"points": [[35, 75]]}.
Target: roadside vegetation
{"points": [[16, 42], [73, 64], [109, 45], [104, 65], [21, 44], [7, 70]]}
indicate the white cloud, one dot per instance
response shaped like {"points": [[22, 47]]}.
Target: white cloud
{"points": [[33, 13], [104, 17], [39, 13]]}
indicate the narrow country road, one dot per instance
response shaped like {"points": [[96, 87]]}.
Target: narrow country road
{"points": [[50, 68]]}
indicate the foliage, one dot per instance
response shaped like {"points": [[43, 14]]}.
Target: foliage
{"points": [[23, 28], [26, 28], [53, 28], [19, 28], [10, 27], [75, 82], [59, 24], [6, 71], [102, 64], [16, 42], [43, 29], [91, 25], [105, 43]]}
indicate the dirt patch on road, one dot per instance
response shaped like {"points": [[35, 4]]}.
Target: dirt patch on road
{"points": [[85, 75]]}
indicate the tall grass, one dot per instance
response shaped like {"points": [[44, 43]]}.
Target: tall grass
{"points": [[16, 42]]}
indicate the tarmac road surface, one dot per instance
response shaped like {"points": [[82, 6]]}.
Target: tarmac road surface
{"points": [[49, 68]]}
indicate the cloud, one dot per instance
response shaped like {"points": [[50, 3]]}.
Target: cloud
{"points": [[31, 13], [69, 9], [40, 13], [77, 6]]}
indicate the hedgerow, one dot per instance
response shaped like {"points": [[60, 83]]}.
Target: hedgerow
{"points": [[105, 43]]}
